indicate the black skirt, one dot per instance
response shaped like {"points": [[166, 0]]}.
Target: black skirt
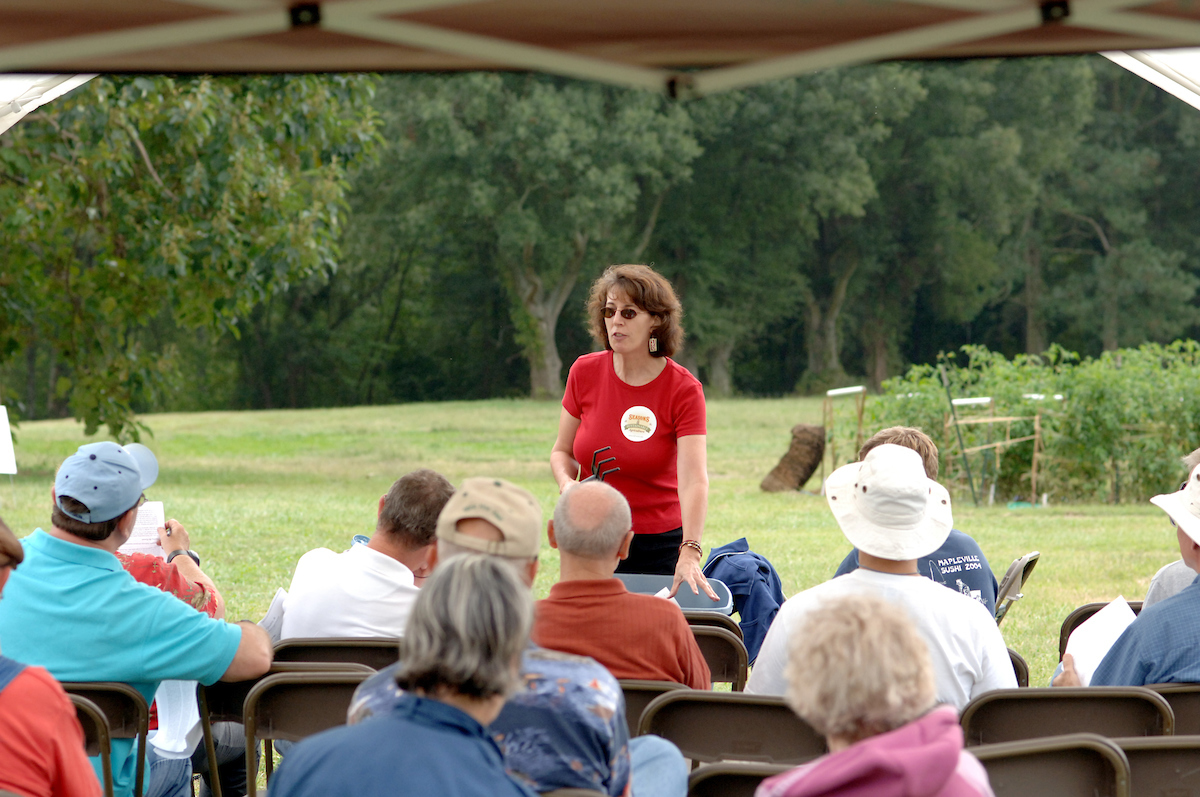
{"points": [[653, 553]]}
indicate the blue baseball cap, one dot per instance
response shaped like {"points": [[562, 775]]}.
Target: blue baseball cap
{"points": [[105, 477]]}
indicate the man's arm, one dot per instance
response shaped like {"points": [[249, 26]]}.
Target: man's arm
{"points": [[174, 537], [254, 654]]}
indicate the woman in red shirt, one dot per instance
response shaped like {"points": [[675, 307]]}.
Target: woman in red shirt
{"points": [[633, 397]]}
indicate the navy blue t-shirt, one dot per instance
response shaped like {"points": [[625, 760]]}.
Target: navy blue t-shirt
{"points": [[959, 564]]}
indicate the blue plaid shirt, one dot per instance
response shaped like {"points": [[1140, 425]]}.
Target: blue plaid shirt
{"points": [[1161, 646]]}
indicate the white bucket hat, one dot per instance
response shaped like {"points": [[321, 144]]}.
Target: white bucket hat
{"points": [[887, 506], [1183, 507]]}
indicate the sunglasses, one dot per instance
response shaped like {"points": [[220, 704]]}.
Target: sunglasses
{"points": [[628, 313]]}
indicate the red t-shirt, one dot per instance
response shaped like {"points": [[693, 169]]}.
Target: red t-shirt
{"points": [[642, 425], [41, 743]]}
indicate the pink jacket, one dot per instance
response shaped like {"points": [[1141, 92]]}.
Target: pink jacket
{"points": [[924, 758]]}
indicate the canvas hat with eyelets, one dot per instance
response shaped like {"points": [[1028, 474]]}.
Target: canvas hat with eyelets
{"points": [[506, 506], [105, 477], [887, 506], [1183, 506]]}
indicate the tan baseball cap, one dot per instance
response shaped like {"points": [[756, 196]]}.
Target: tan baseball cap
{"points": [[506, 506]]}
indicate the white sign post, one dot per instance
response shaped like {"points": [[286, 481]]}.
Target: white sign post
{"points": [[8, 460]]}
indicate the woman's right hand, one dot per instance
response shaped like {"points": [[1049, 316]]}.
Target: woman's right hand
{"points": [[563, 465]]}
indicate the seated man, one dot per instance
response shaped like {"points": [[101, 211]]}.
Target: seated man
{"points": [[72, 609], [368, 590], [1172, 578], [460, 655], [1162, 645], [41, 743], [590, 613], [565, 725], [894, 515], [959, 563]]}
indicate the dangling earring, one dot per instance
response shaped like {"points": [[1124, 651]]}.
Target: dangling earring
{"points": [[653, 345]]}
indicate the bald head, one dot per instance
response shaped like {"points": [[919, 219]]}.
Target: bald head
{"points": [[591, 521]]}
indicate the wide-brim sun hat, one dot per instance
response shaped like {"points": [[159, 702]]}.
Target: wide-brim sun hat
{"points": [[887, 507], [1183, 506]]}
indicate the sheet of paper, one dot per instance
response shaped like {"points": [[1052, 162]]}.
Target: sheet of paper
{"points": [[144, 538], [1091, 640], [178, 719], [663, 593], [273, 620], [8, 460]]}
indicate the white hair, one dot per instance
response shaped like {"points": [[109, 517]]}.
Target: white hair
{"points": [[858, 667], [467, 629], [591, 520]]}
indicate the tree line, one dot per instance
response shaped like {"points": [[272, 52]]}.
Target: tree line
{"points": [[369, 239]]}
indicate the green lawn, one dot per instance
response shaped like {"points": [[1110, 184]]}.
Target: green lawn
{"points": [[257, 489]]}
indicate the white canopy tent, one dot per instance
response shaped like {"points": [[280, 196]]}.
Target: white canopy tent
{"points": [[20, 94], [1176, 72]]}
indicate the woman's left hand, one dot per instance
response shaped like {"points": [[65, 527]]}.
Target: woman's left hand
{"points": [[687, 568]]}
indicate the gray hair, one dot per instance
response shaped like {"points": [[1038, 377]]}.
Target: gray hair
{"points": [[467, 629], [412, 505], [591, 519], [858, 667]]}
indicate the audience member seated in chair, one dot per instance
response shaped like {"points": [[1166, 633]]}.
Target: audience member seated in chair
{"points": [[860, 673], [368, 590], [565, 725], [1173, 578], [460, 658], [590, 613], [1161, 644], [41, 743], [894, 514], [72, 608], [959, 563]]}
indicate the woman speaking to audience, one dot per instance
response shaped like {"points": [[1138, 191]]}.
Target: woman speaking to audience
{"points": [[649, 410]]}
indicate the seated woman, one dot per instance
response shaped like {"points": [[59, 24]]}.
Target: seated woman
{"points": [[460, 656], [860, 674]]}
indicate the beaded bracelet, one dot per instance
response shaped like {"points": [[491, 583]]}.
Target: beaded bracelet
{"points": [[693, 545]]}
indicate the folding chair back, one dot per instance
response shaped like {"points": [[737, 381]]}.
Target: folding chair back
{"points": [[726, 779], [638, 695], [1185, 703], [1162, 765], [718, 726], [226, 700], [293, 705], [375, 652], [1014, 579], [1007, 715], [695, 617], [126, 711], [97, 738], [1076, 618], [1020, 667], [1073, 765], [728, 661]]}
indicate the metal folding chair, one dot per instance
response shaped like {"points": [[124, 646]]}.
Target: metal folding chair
{"points": [[1185, 703], [721, 726], [638, 695], [1073, 765], [728, 661], [696, 617], [1162, 765], [730, 779], [1014, 579], [375, 652], [1007, 715], [97, 738], [126, 711], [293, 705], [1020, 667]]}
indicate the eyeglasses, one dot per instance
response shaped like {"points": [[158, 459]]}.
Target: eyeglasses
{"points": [[141, 499], [628, 313]]}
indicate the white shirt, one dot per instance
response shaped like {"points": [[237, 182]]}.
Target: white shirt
{"points": [[357, 593], [969, 655]]}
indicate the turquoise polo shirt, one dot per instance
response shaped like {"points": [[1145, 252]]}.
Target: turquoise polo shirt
{"points": [[75, 611]]}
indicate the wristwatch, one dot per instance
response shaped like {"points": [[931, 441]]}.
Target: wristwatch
{"points": [[190, 555]]}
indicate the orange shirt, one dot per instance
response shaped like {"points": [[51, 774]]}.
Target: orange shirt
{"points": [[634, 636], [41, 743]]}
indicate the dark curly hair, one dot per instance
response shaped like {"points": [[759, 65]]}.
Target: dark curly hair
{"points": [[651, 292]]}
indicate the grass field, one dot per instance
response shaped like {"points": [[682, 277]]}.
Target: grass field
{"points": [[258, 489]]}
